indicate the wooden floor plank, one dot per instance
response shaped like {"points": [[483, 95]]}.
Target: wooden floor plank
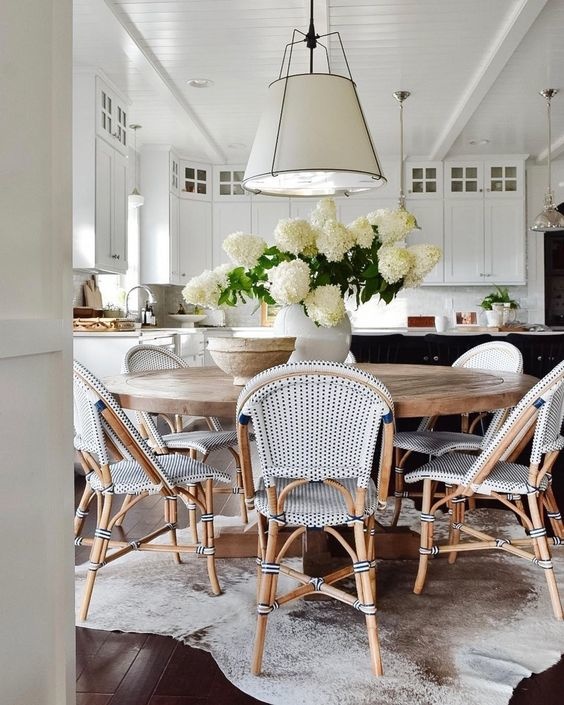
{"points": [[107, 668], [140, 681]]}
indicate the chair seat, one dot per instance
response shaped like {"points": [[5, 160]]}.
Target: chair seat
{"points": [[315, 504], [129, 477], [437, 442], [203, 441], [507, 478]]}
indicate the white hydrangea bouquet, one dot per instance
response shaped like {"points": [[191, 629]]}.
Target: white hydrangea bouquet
{"points": [[318, 264]]}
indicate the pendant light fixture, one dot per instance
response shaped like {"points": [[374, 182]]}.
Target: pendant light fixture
{"points": [[312, 139], [135, 199], [549, 219], [402, 96]]}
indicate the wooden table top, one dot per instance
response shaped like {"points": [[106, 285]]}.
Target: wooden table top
{"points": [[417, 390]]}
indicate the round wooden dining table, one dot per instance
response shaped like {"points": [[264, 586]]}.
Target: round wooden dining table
{"points": [[417, 390]]}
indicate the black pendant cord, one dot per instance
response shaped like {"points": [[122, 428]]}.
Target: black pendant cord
{"points": [[311, 37]]}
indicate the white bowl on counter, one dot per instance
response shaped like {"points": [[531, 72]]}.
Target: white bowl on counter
{"points": [[187, 320]]}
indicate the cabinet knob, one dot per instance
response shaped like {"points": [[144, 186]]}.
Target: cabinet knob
{"points": [[425, 358], [481, 190], [183, 274], [539, 358], [435, 358], [115, 256]]}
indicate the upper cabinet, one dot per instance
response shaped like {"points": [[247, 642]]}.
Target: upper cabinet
{"points": [[111, 116], [484, 221], [423, 180], [99, 175], [195, 180]]}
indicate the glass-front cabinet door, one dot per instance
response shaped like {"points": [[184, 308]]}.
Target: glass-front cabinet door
{"points": [[424, 180], [464, 179], [503, 178]]}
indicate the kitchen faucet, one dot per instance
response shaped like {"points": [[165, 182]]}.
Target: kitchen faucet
{"points": [[151, 298]]}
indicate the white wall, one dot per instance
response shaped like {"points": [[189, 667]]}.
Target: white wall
{"points": [[36, 492]]}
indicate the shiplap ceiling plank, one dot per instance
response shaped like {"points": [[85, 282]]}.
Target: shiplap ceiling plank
{"points": [[473, 68]]}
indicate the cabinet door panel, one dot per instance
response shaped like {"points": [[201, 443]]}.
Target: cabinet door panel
{"points": [[104, 188], [429, 216], [174, 235], [118, 240], [464, 241], [228, 218], [195, 239], [266, 214], [504, 234]]}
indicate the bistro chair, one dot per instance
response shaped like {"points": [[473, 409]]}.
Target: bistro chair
{"points": [[121, 463], [491, 475], [494, 355], [151, 357], [316, 427]]}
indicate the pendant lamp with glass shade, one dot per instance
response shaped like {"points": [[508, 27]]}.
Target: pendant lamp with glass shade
{"points": [[135, 199], [402, 96], [312, 138], [549, 220]]}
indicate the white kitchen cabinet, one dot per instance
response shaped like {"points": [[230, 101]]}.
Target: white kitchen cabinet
{"points": [[423, 180], [99, 184], [111, 208], [111, 116], [159, 218], [227, 183], [195, 180], [194, 239], [484, 221], [429, 216], [265, 215], [229, 217]]}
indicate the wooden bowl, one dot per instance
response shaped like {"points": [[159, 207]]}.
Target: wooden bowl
{"points": [[243, 358]]}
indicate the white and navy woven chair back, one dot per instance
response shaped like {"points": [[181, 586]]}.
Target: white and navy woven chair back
{"points": [[546, 399], [92, 399], [315, 420], [152, 357], [495, 355]]}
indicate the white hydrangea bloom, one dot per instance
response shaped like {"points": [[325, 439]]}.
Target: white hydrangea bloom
{"points": [[393, 225], [296, 236], [325, 305], [205, 289], [362, 232], [333, 240], [244, 250], [324, 210], [425, 257], [289, 282], [222, 274], [394, 263]]}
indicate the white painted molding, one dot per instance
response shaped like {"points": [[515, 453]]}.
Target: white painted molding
{"points": [[33, 336], [507, 40], [556, 149]]}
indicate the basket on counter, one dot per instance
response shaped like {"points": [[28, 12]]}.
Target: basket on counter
{"points": [[101, 325]]}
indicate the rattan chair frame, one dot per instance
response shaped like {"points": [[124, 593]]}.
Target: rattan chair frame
{"points": [[493, 355], [113, 437], [254, 404], [542, 406], [150, 357]]}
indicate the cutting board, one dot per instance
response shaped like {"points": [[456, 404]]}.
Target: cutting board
{"points": [[92, 295]]}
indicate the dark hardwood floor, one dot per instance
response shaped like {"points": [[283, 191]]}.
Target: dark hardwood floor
{"points": [[115, 668]]}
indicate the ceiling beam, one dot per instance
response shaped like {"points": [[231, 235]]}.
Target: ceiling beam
{"points": [[215, 152], [556, 149], [506, 41]]}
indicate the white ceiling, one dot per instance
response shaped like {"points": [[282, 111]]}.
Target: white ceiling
{"points": [[474, 68]]}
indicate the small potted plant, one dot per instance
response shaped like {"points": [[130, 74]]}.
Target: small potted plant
{"points": [[499, 307]]}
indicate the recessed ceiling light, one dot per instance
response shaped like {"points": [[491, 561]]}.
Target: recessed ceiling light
{"points": [[199, 82], [236, 145], [482, 141]]}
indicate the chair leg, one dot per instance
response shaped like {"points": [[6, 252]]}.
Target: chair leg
{"points": [[399, 484], [82, 509], [545, 561], [239, 486], [98, 552], [368, 599], [457, 519], [426, 539], [553, 513], [192, 518], [209, 539], [171, 517], [125, 504], [268, 584]]}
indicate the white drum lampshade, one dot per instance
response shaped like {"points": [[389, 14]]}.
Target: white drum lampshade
{"points": [[312, 140]]}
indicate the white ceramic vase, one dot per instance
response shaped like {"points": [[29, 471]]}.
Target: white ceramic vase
{"points": [[313, 342]]}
